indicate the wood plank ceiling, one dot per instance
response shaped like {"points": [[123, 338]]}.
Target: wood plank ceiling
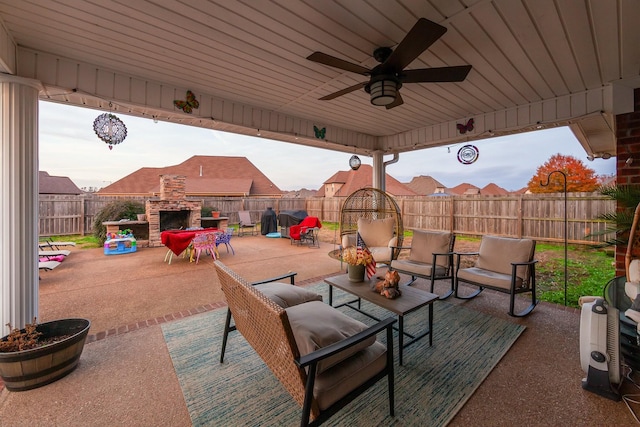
{"points": [[541, 62]]}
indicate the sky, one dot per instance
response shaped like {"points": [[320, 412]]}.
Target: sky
{"points": [[69, 147]]}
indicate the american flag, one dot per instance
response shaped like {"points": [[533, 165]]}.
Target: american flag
{"points": [[362, 250]]}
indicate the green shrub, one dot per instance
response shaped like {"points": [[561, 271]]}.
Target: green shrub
{"points": [[115, 211], [206, 211]]}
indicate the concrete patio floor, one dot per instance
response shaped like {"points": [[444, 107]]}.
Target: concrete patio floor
{"points": [[126, 377]]}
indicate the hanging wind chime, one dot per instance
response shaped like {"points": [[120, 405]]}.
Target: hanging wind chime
{"points": [[110, 128]]}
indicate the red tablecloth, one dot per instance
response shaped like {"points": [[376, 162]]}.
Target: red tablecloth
{"points": [[179, 240]]}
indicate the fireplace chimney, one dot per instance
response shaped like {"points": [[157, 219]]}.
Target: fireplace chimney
{"points": [[172, 187]]}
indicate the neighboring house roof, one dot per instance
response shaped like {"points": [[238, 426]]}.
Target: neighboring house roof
{"points": [[424, 185], [363, 177], [523, 190], [299, 194], [493, 190], [48, 184], [339, 177], [464, 188], [205, 176]]}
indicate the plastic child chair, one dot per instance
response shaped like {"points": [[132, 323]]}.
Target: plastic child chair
{"points": [[204, 242], [225, 238]]}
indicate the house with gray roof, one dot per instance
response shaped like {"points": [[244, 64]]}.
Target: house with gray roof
{"points": [[48, 184]]}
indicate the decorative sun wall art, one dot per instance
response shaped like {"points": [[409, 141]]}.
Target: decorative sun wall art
{"points": [[110, 129], [468, 154]]}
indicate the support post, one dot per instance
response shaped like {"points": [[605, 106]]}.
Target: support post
{"points": [[18, 200]]}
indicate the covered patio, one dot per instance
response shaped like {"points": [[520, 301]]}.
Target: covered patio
{"points": [[534, 65], [126, 375]]}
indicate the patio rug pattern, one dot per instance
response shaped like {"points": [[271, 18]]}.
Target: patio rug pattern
{"points": [[431, 386]]}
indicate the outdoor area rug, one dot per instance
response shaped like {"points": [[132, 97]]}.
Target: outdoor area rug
{"points": [[431, 386]]}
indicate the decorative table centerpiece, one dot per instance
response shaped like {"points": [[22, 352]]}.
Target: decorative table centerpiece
{"points": [[357, 260]]}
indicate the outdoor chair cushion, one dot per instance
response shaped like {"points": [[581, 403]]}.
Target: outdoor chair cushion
{"points": [[332, 385], [493, 250], [316, 325], [416, 267], [287, 295], [425, 244], [376, 232], [489, 278]]}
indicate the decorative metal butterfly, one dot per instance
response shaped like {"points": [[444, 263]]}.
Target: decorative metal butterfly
{"points": [[320, 133], [188, 105], [465, 128]]}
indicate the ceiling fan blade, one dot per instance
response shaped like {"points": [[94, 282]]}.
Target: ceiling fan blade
{"points": [[332, 61], [433, 75], [343, 91], [423, 34], [397, 102]]}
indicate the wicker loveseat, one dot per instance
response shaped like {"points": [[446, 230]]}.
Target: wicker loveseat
{"points": [[322, 357]]}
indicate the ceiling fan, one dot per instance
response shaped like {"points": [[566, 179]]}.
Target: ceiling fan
{"points": [[387, 78]]}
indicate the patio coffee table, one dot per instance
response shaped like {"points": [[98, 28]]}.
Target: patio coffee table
{"points": [[411, 300]]}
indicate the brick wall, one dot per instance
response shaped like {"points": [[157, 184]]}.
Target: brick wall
{"points": [[628, 146]]}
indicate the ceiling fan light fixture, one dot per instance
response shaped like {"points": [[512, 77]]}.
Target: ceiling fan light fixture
{"points": [[383, 92]]}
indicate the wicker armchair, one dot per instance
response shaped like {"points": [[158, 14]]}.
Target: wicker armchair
{"points": [[371, 205]]}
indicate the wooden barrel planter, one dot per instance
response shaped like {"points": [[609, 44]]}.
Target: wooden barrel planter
{"points": [[28, 369]]}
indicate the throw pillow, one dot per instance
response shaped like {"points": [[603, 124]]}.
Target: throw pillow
{"points": [[287, 295], [376, 232]]}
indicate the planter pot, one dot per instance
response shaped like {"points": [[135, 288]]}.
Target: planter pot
{"points": [[356, 273], [28, 369], [215, 214], [142, 217]]}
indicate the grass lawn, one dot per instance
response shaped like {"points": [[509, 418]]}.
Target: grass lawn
{"points": [[88, 241], [588, 271]]}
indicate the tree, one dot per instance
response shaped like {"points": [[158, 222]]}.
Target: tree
{"points": [[579, 177]]}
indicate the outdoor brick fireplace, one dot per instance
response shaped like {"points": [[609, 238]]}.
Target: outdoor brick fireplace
{"points": [[172, 210]]}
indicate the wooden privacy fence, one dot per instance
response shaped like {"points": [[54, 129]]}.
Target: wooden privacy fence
{"points": [[538, 216]]}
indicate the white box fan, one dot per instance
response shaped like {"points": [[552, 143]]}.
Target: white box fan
{"points": [[600, 348]]}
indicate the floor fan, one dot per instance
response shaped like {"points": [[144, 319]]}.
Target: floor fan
{"points": [[600, 348]]}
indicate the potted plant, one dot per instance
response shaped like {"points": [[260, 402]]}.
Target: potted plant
{"points": [[42, 353], [357, 259], [206, 212]]}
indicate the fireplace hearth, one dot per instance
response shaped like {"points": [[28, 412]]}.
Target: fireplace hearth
{"points": [[174, 220]]}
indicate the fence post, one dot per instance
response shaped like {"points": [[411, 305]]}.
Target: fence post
{"points": [[520, 220], [83, 200]]}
